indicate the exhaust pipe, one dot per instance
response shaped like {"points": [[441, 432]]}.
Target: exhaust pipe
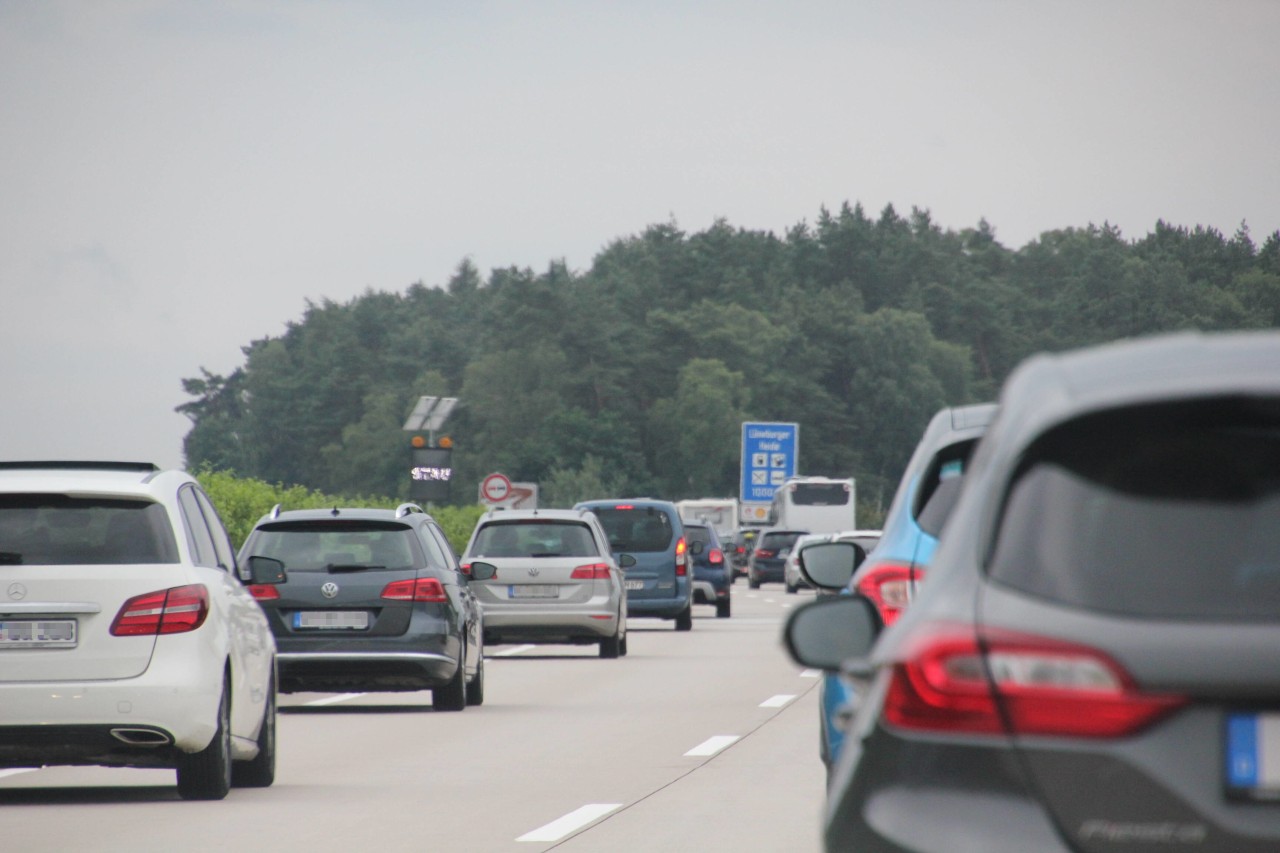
{"points": [[141, 737]]}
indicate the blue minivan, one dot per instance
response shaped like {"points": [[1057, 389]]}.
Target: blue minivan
{"points": [[659, 584]]}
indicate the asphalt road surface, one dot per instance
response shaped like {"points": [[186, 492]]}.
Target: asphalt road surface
{"points": [[705, 740]]}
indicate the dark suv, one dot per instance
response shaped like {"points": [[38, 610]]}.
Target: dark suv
{"points": [[712, 571], [374, 600], [660, 583], [768, 560]]}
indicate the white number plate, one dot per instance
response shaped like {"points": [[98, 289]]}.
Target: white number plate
{"points": [[332, 619], [533, 590], [635, 584], [37, 634]]}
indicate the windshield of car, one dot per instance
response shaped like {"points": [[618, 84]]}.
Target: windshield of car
{"points": [[42, 530], [1159, 511], [320, 546], [534, 539], [820, 494], [637, 529], [694, 533]]}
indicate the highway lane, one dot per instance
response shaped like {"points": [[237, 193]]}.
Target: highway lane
{"points": [[705, 740]]}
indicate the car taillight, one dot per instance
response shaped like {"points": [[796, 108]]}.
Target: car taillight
{"points": [[465, 568], [422, 589], [716, 557], [682, 564], [165, 611], [1022, 684], [765, 553], [264, 591], [891, 586], [593, 572]]}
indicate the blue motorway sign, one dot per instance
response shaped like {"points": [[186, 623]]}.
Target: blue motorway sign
{"points": [[769, 454]]}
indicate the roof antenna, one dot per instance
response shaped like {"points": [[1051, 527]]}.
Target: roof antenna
{"points": [[335, 511]]}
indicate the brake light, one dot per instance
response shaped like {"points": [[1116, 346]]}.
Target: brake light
{"points": [[716, 556], [891, 586], [422, 589], [264, 591], [465, 568], [165, 611], [593, 572], [765, 553], [624, 506], [1018, 683], [682, 564]]}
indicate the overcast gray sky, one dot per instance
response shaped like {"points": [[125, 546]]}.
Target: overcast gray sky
{"points": [[178, 178]]}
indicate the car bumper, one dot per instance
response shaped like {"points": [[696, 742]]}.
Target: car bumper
{"points": [[563, 625], [706, 592]]}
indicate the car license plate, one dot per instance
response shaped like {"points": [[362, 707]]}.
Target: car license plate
{"points": [[1253, 755], [37, 634], [533, 590], [635, 584], [348, 620]]}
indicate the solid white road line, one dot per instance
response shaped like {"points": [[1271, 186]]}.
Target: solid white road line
{"points": [[777, 701], [571, 822], [341, 697], [712, 745], [514, 650]]}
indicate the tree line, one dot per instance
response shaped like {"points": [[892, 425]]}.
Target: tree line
{"points": [[633, 377]]}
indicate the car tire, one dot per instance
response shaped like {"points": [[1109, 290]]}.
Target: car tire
{"points": [[622, 646], [792, 589], [722, 609], [206, 775], [684, 621], [452, 696], [260, 771], [753, 583], [475, 687], [611, 647]]}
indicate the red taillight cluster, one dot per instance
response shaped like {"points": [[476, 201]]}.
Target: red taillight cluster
{"points": [[264, 591], [422, 589], [165, 611], [592, 572], [764, 553], [682, 564], [891, 586], [716, 556], [948, 681]]}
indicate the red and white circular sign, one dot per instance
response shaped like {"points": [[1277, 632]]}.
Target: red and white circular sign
{"points": [[495, 488]]}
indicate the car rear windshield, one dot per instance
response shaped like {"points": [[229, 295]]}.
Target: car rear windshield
{"points": [[1168, 511], [322, 546], [534, 539], [820, 494], [636, 529], [697, 533], [44, 530], [779, 541]]}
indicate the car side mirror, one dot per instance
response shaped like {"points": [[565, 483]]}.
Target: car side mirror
{"points": [[833, 631], [481, 571], [830, 565], [266, 570], [626, 561]]}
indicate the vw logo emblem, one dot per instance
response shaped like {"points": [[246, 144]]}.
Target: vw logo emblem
{"points": [[329, 590], [534, 572], [17, 591]]}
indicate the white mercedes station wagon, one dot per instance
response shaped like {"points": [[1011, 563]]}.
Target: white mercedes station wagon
{"points": [[128, 634]]}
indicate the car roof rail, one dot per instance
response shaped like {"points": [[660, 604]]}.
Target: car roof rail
{"points": [[275, 511], [406, 509], [71, 465]]}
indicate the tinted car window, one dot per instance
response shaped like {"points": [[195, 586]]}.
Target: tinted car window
{"points": [[1170, 511], [58, 530], [820, 494], [694, 533], [313, 546], [534, 539], [778, 541], [640, 530]]}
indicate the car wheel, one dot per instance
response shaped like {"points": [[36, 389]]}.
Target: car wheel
{"points": [[260, 771], [622, 646], [206, 775], [722, 609], [684, 621], [791, 589], [475, 687], [611, 647], [753, 583], [452, 696]]}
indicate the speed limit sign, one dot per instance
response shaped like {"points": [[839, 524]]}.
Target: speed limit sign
{"points": [[495, 488]]}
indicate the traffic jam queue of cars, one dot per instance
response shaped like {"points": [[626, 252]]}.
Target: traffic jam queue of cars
{"points": [[1091, 660]]}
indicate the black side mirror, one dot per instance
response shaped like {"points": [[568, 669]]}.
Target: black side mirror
{"points": [[832, 631], [266, 570], [481, 571], [830, 565]]}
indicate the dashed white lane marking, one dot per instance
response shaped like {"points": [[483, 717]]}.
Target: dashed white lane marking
{"points": [[16, 770], [777, 701], [514, 650], [341, 697], [811, 673], [712, 745], [571, 822]]}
